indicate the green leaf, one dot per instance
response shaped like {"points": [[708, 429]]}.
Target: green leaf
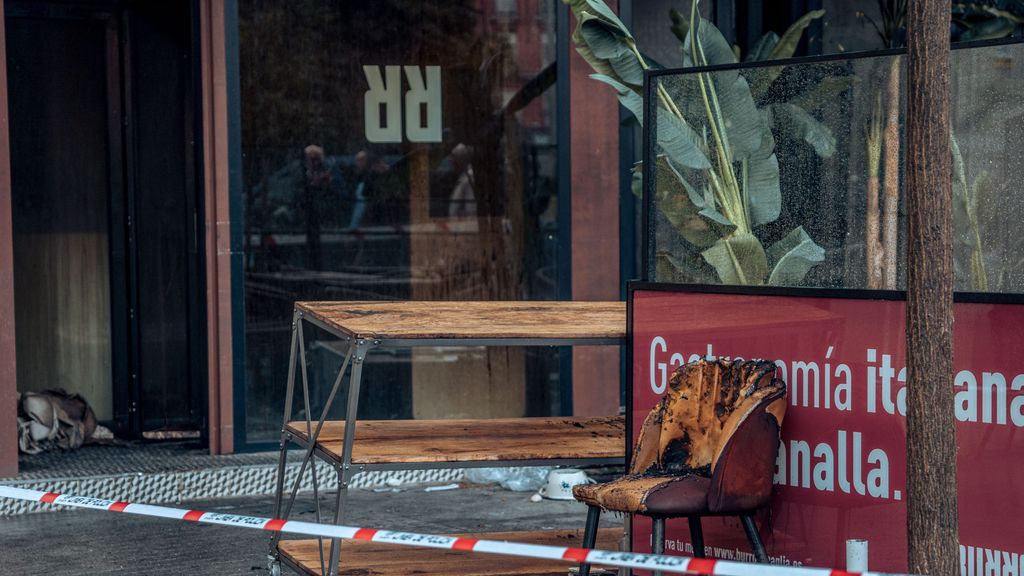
{"points": [[963, 226], [599, 9], [759, 180], [614, 46], [600, 65], [792, 257], [695, 220], [680, 24], [805, 127], [761, 183], [679, 141], [738, 259], [788, 43], [784, 48], [629, 98], [763, 47], [744, 126], [715, 47], [682, 268], [989, 30]]}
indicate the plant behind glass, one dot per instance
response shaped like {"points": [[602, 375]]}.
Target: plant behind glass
{"points": [[717, 175]]}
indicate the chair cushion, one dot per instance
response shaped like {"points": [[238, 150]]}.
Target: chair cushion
{"points": [[652, 495]]}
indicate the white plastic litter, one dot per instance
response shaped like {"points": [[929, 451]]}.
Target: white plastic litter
{"points": [[517, 479], [440, 488]]}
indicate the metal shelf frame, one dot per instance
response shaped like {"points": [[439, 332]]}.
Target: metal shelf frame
{"points": [[354, 359]]}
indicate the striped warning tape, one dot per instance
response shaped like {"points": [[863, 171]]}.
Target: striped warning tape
{"points": [[677, 564]]}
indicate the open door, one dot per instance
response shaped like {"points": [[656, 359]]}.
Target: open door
{"points": [[106, 255]]}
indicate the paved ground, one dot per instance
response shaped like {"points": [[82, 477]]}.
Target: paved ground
{"points": [[94, 543]]}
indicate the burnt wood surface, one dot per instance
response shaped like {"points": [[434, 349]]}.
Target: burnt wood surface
{"points": [[373, 559], [496, 439], [469, 320], [931, 429]]}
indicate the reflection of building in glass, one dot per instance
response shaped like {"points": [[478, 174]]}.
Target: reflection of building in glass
{"points": [[387, 215]]}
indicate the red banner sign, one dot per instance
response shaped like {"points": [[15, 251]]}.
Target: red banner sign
{"points": [[842, 462]]}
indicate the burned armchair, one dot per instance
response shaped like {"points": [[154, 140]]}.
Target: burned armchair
{"points": [[708, 448]]}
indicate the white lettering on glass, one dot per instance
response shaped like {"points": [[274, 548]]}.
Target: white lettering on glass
{"points": [[383, 104]]}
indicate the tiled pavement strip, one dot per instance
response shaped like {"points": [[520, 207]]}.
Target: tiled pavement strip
{"points": [[161, 473]]}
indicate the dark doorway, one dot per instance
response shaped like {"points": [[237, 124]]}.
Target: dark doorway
{"points": [[107, 260]]}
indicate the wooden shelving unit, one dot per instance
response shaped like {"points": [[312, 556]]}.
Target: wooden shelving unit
{"points": [[353, 446]]}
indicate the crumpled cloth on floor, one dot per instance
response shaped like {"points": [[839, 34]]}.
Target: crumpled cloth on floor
{"points": [[53, 419]]}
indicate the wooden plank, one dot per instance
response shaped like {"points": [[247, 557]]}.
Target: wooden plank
{"points": [[466, 320], [373, 559], [498, 439]]}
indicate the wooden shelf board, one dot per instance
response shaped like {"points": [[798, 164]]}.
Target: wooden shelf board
{"points": [[471, 320], [372, 559], [497, 439]]}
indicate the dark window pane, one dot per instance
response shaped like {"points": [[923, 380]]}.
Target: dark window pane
{"points": [[398, 149]]}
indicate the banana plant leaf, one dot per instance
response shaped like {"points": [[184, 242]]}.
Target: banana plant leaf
{"points": [[682, 144], [793, 257], [680, 24], [692, 215], [760, 180], [614, 47], [597, 8], [738, 259], [786, 45], [781, 49], [989, 30], [596, 22], [629, 98], [762, 49], [683, 267], [737, 111], [803, 126], [676, 138]]}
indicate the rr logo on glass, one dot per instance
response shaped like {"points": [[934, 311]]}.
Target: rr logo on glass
{"points": [[383, 102]]}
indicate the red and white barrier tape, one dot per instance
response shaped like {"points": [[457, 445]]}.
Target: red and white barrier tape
{"points": [[677, 564]]}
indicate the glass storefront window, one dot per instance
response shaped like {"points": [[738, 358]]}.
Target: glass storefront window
{"points": [[811, 191], [398, 149]]}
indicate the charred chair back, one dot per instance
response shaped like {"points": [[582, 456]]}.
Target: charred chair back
{"points": [[708, 448]]}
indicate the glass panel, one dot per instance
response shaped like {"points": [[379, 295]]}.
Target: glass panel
{"points": [[60, 186], [793, 175], [398, 150], [165, 227]]}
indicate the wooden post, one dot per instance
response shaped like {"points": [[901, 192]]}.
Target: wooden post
{"points": [[932, 544]]}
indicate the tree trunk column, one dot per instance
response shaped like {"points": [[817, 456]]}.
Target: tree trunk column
{"points": [[931, 434]]}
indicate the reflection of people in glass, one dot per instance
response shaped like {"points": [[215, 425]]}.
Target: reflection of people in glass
{"points": [[455, 180], [366, 167], [462, 202], [316, 192]]}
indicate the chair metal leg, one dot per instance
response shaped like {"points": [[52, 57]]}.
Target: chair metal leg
{"points": [[658, 539], [696, 536], [755, 539], [590, 534]]}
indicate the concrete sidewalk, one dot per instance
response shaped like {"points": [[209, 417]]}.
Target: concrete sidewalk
{"points": [[95, 543]]}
